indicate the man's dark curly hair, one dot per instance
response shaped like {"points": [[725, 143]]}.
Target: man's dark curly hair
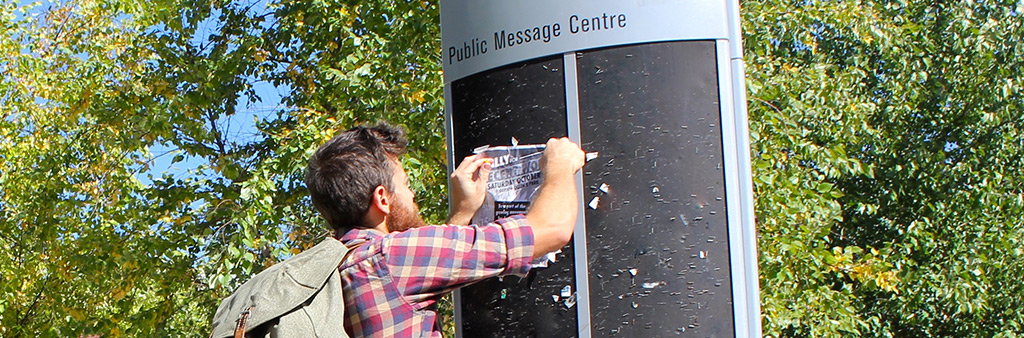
{"points": [[343, 173]]}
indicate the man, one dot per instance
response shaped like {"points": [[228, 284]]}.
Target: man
{"points": [[400, 266]]}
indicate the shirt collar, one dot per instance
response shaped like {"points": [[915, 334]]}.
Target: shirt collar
{"points": [[361, 233]]}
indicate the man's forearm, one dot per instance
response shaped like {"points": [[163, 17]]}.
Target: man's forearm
{"points": [[552, 215]]}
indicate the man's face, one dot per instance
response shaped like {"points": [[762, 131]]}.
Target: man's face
{"points": [[405, 213]]}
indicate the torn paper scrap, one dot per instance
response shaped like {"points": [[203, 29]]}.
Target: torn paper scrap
{"points": [[542, 262], [571, 301], [653, 285]]}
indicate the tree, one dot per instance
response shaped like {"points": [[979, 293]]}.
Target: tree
{"points": [[886, 137], [887, 154], [95, 92], [84, 249]]}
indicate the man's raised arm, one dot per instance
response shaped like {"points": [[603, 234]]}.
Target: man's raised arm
{"points": [[552, 216]]}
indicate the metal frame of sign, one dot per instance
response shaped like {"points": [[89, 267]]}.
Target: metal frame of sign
{"points": [[718, 20]]}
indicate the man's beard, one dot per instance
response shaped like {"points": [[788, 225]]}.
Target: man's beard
{"points": [[404, 217]]}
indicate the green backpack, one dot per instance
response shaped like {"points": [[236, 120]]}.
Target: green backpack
{"points": [[300, 297]]}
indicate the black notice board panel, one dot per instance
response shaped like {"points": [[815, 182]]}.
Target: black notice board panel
{"points": [[526, 101], [657, 242]]}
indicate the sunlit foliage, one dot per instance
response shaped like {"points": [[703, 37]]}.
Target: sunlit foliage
{"points": [[145, 171]]}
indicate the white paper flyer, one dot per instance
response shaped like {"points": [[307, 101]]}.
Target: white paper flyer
{"points": [[515, 177]]}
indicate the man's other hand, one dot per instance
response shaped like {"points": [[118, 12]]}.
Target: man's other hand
{"points": [[468, 187]]}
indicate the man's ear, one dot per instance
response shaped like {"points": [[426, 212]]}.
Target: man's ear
{"points": [[381, 200]]}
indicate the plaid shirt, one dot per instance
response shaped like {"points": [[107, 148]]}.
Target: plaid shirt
{"points": [[393, 282]]}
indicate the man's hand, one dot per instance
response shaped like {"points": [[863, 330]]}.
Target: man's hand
{"points": [[468, 186], [561, 157]]}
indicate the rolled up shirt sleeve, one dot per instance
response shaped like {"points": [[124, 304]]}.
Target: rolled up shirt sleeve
{"points": [[433, 260]]}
